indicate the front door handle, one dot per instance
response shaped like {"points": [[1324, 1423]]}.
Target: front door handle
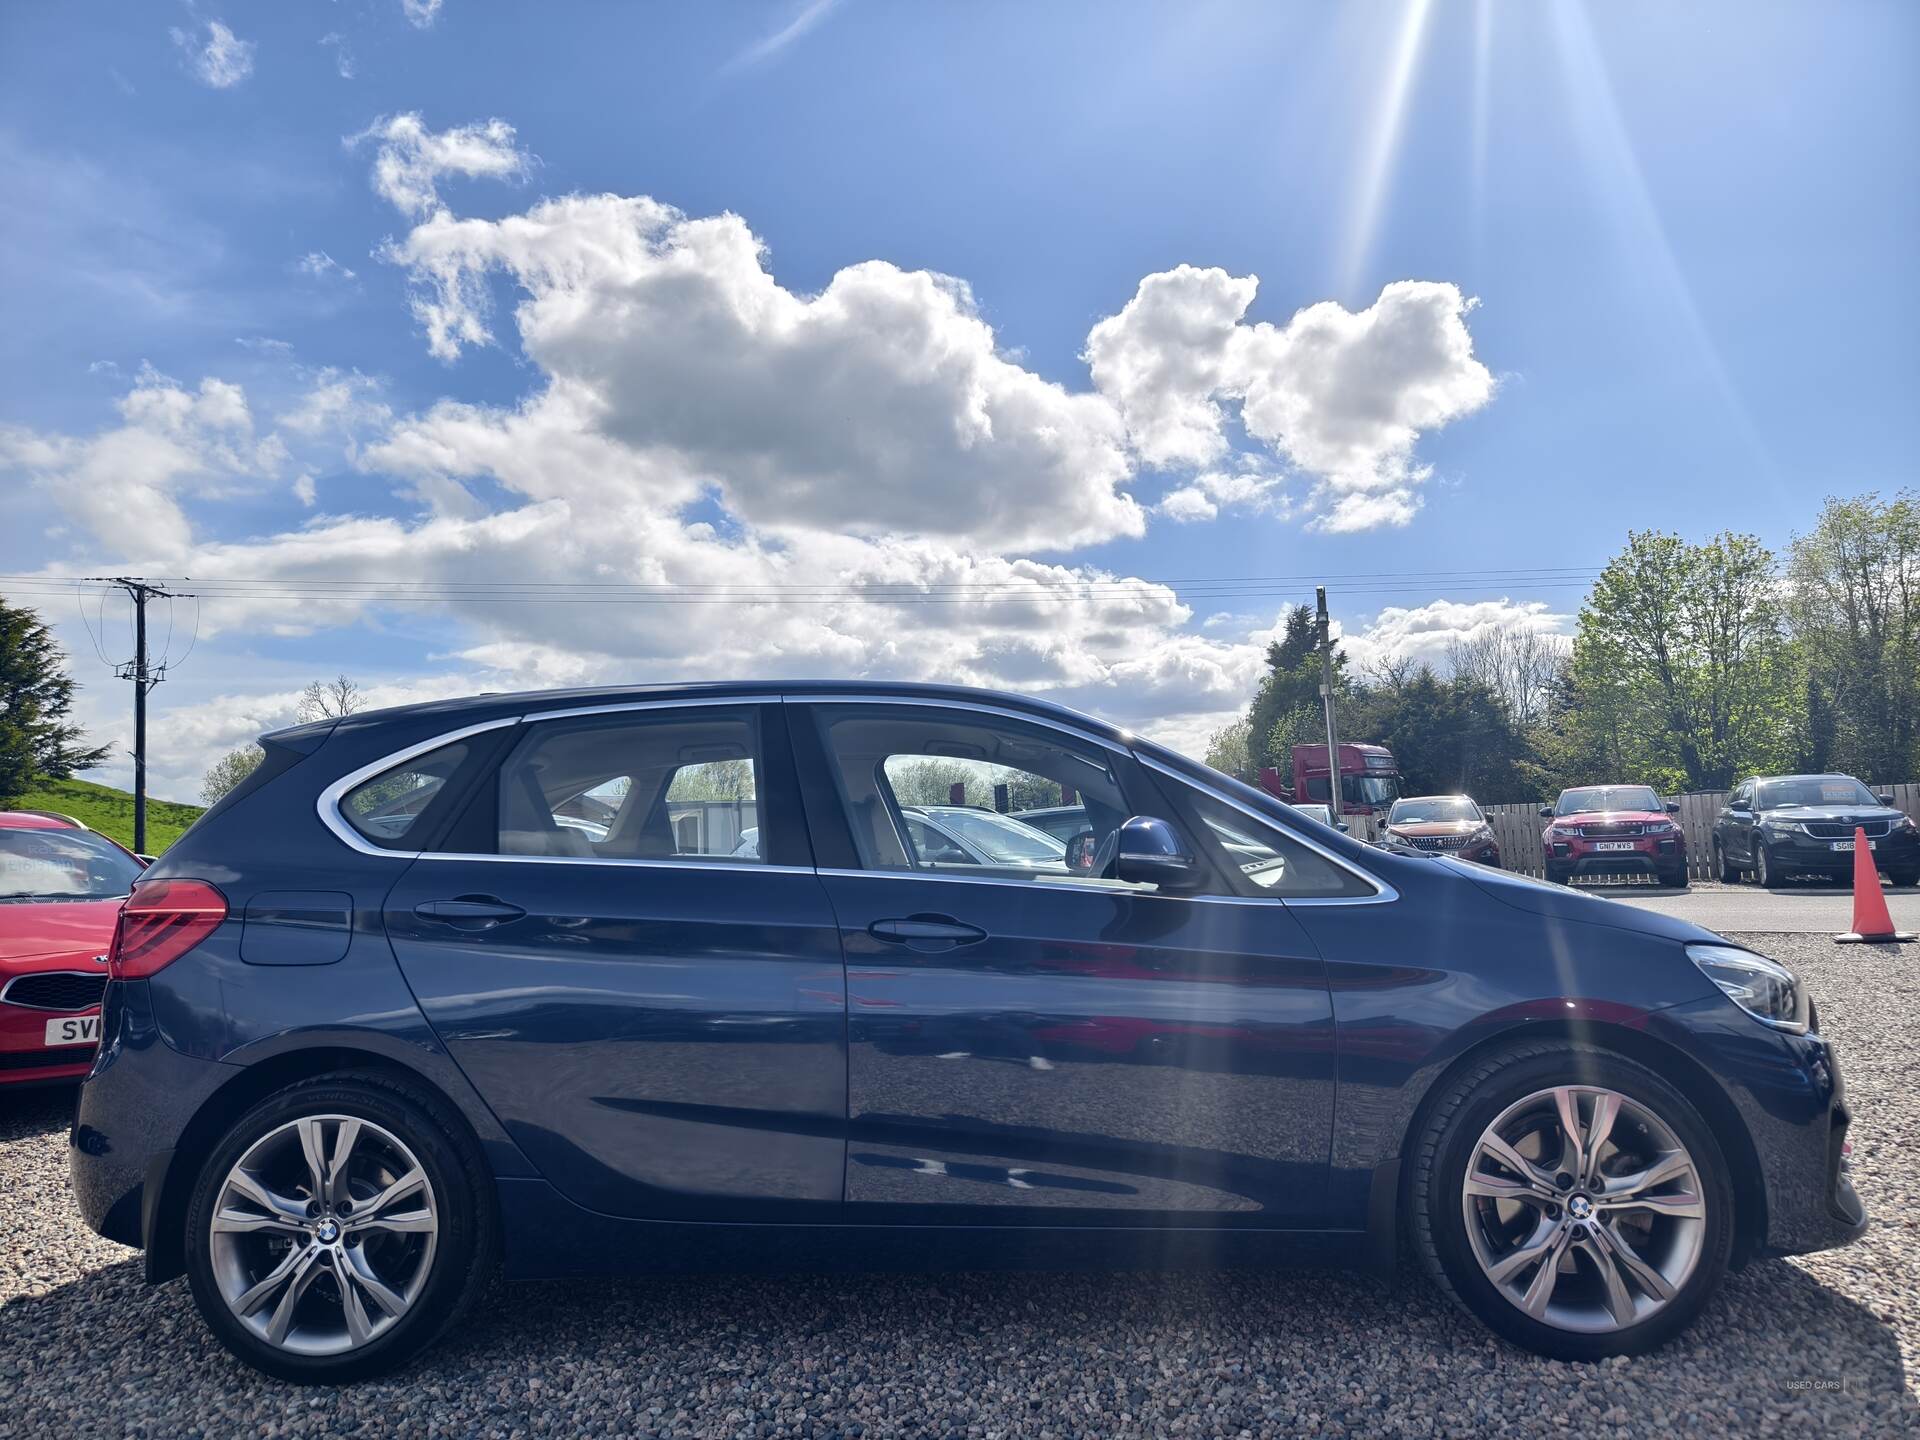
{"points": [[469, 912], [927, 934]]}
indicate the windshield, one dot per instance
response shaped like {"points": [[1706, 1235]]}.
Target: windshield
{"points": [[1376, 790], [1439, 807], [1000, 838], [1814, 790], [1595, 798], [63, 864]]}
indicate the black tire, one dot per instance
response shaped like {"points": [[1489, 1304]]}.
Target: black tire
{"points": [[1763, 871], [465, 1244], [1728, 872], [1674, 879], [1558, 877], [1905, 879], [1453, 1122]]}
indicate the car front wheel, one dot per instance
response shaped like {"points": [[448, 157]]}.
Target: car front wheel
{"points": [[1764, 871], [338, 1229], [1728, 872], [1573, 1200]]}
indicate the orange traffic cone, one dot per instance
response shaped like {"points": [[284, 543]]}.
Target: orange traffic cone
{"points": [[1871, 919]]}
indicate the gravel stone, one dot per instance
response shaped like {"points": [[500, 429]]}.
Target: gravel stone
{"points": [[1826, 1345]]}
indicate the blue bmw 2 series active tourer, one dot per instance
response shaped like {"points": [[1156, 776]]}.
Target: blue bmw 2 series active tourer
{"points": [[498, 981]]}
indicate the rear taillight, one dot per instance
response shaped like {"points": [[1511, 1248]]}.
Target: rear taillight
{"points": [[161, 921]]}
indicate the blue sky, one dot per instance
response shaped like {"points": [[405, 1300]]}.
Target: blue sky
{"points": [[1681, 239]]}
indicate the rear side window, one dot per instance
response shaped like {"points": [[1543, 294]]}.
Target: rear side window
{"points": [[385, 808], [665, 785]]}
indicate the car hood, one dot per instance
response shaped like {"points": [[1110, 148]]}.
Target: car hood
{"points": [[1610, 817], [1557, 902], [1436, 827], [54, 927]]}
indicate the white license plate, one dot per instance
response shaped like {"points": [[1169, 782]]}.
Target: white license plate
{"points": [[74, 1030], [1847, 845], [1613, 845]]}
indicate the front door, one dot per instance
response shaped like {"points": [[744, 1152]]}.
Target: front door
{"points": [[1028, 1044], [627, 951]]}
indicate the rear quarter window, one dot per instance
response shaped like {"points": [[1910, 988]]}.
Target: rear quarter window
{"points": [[385, 809]]}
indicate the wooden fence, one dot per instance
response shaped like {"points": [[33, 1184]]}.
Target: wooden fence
{"points": [[1518, 827]]}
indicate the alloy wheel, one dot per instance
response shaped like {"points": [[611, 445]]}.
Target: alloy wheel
{"points": [[323, 1234], [1584, 1209]]}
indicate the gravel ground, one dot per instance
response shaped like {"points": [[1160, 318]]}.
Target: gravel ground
{"points": [[1827, 1345]]}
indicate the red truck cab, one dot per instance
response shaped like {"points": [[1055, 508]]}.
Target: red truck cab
{"points": [[1369, 778]]}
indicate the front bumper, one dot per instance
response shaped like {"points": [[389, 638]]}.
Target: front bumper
{"points": [[1796, 854], [1792, 1102], [1650, 855], [26, 1058]]}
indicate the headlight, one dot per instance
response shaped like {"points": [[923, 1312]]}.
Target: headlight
{"points": [[1763, 988], [1663, 827], [1904, 822], [1481, 836], [1780, 827]]}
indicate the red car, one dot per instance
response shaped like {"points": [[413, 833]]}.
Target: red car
{"points": [[1613, 830], [61, 887]]}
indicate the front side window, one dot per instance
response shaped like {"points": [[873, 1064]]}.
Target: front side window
{"points": [[1265, 860], [936, 791], [669, 785], [63, 864], [385, 808]]}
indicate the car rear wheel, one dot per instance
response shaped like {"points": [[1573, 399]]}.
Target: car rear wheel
{"points": [[1572, 1200], [338, 1229]]}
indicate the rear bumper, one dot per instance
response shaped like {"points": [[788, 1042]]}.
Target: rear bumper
{"points": [[133, 1108]]}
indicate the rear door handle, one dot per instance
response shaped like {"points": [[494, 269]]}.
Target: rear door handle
{"points": [[926, 933], [469, 912]]}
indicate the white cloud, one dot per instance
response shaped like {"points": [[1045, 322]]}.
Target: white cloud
{"points": [[337, 402], [411, 160], [319, 265], [220, 59], [420, 13], [1422, 633], [303, 489], [342, 56], [1342, 396], [124, 483], [809, 15], [879, 405], [1206, 495]]}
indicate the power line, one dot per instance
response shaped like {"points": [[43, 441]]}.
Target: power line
{"points": [[144, 677]]}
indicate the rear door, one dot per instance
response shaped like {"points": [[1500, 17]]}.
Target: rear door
{"points": [[657, 1019], [1030, 1045]]}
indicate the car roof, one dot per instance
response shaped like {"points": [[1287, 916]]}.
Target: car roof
{"points": [[474, 708], [38, 820]]}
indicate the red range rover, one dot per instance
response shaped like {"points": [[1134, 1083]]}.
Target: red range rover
{"points": [[1611, 831], [61, 886]]}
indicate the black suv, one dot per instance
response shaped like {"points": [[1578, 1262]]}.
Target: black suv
{"points": [[1781, 825]]}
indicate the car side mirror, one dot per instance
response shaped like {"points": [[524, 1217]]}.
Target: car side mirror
{"points": [[1151, 853], [1342, 826], [1080, 852], [1673, 807], [1885, 799], [1546, 812]]}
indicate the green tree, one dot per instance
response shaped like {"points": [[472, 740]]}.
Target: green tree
{"points": [[1229, 753], [1286, 709], [38, 740], [1681, 651], [1452, 736], [1854, 598], [229, 770]]}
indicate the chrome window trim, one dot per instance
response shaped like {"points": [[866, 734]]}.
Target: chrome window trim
{"points": [[328, 804], [666, 703], [7, 989], [751, 867], [1384, 893]]}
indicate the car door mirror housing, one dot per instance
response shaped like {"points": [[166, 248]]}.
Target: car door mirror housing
{"points": [[1673, 807], [1151, 852], [1546, 812], [1885, 798]]}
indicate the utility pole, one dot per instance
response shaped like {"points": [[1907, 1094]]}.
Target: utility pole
{"points": [[144, 678], [1326, 700]]}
